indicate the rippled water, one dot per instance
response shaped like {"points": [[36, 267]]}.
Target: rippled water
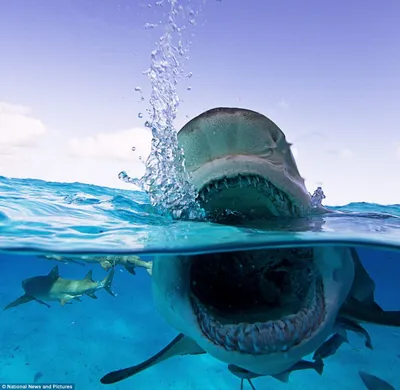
{"points": [[38, 216]]}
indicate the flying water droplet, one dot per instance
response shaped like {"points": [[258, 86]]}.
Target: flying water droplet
{"points": [[138, 89], [165, 180], [133, 148], [140, 115], [189, 75], [122, 175], [189, 88], [148, 26]]}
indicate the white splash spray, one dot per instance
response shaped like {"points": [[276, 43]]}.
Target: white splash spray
{"points": [[166, 180]]}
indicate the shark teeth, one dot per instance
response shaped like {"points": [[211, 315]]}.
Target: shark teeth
{"points": [[266, 337], [279, 198]]}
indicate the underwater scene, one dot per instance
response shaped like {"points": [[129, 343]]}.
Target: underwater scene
{"points": [[95, 281], [208, 263]]}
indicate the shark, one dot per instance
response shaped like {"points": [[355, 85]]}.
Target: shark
{"points": [[372, 382], [317, 365], [52, 287], [260, 311], [130, 262]]}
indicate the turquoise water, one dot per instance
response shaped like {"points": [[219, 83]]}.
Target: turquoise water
{"points": [[81, 342], [40, 216]]}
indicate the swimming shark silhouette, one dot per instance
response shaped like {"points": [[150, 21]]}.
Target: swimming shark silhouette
{"points": [[261, 310], [317, 365], [52, 287], [129, 262]]}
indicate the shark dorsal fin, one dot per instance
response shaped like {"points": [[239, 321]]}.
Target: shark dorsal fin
{"points": [[180, 345], [89, 276], [54, 273]]}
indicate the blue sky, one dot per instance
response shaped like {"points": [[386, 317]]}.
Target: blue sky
{"points": [[327, 73]]}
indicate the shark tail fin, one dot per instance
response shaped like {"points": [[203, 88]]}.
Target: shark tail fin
{"points": [[89, 276], [107, 281]]}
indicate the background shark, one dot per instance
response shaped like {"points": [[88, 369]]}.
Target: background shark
{"points": [[130, 262], [52, 287]]}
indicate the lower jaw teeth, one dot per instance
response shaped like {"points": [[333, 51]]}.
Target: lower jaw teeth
{"points": [[268, 337]]}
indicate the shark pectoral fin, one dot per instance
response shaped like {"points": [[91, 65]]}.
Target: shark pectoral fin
{"points": [[179, 346], [373, 382], [19, 301], [66, 299], [42, 303], [78, 299], [369, 312], [130, 268], [91, 295], [284, 377], [317, 365]]}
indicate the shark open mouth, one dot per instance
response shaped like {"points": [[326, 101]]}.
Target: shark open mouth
{"points": [[263, 192], [257, 302]]}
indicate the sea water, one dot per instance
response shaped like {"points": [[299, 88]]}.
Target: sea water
{"points": [[76, 344]]}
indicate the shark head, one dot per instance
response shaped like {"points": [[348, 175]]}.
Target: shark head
{"points": [[239, 160], [260, 310], [40, 285]]}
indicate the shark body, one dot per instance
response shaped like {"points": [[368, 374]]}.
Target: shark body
{"points": [[52, 287], [129, 262], [261, 311]]}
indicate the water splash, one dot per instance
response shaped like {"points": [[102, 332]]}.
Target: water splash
{"points": [[166, 180]]}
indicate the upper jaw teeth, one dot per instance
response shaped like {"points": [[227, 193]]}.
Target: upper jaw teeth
{"points": [[265, 337]]}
